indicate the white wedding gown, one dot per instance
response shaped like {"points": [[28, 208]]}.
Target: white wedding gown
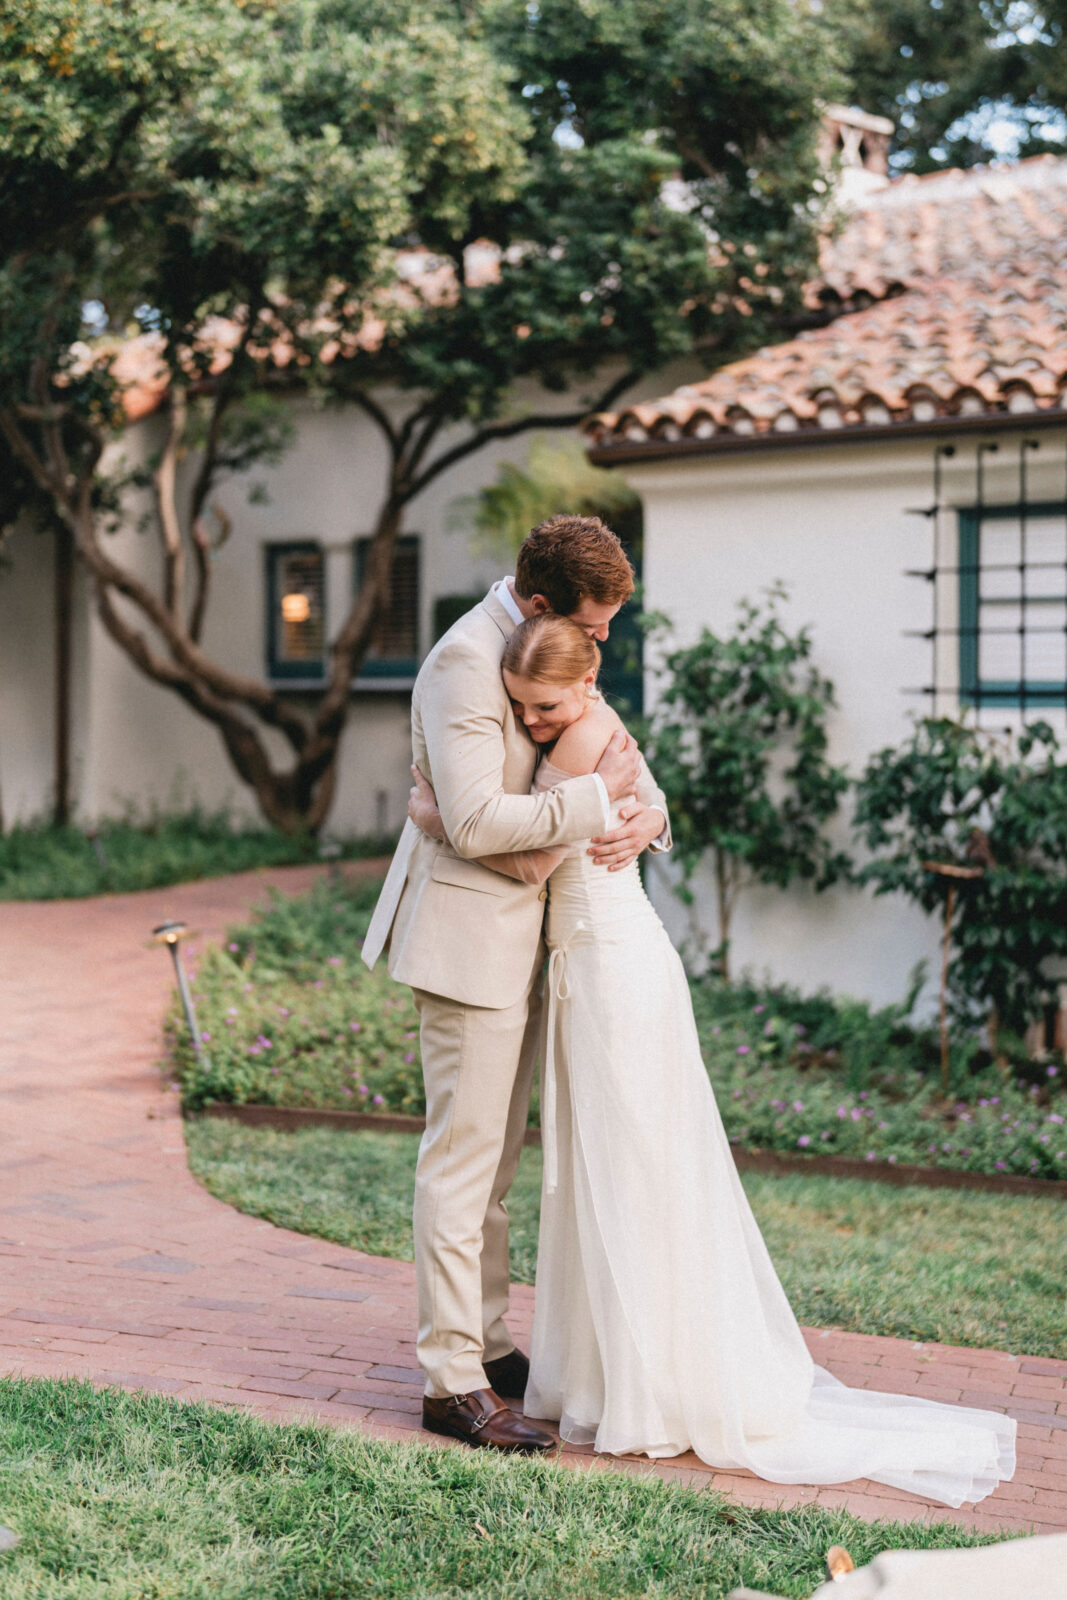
{"points": [[660, 1323]]}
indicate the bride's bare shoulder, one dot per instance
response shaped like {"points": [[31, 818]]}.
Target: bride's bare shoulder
{"points": [[579, 747]]}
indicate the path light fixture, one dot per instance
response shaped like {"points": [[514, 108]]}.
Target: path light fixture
{"points": [[171, 934], [330, 851]]}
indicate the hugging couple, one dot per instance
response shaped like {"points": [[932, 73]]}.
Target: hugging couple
{"points": [[660, 1325]]}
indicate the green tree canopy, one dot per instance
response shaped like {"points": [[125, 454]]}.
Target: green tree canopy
{"points": [[431, 199], [964, 82]]}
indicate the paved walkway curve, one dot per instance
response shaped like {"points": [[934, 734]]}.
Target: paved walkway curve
{"points": [[116, 1265]]}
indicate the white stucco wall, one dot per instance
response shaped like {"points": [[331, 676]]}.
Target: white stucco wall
{"points": [[27, 684], [138, 744], [832, 522]]}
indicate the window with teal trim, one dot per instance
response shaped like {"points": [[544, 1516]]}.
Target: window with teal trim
{"points": [[1013, 605], [394, 649], [296, 611]]}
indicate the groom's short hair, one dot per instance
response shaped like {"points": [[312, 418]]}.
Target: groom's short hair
{"points": [[569, 559]]}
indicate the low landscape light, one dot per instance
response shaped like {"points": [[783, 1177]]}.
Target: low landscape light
{"points": [[171, 934]]}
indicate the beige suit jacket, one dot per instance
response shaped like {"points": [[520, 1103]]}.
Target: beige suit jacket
{"points": [[454, 927]]}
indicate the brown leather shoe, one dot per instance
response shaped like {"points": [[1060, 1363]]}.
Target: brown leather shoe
{"points": [[482, 1418], [507, 1375]]}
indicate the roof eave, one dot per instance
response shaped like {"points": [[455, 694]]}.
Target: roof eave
{"points": [[617, 455]]}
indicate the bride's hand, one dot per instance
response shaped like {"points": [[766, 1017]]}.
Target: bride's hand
{"points": [[422, 808]]}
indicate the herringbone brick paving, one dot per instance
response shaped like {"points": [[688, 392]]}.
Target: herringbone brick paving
{"points": [[117, 1266]]}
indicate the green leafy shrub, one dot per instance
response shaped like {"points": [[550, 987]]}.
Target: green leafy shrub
{"points": [[958, 796], [738, 743]]}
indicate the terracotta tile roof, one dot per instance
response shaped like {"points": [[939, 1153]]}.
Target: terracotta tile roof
{"points": [[950, 300]]}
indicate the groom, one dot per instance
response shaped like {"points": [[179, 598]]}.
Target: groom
{"points": [[468, 941]]}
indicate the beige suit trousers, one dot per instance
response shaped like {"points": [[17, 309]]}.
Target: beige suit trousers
{"points": [[478, 1069]]}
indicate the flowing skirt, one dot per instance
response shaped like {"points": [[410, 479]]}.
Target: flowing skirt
{"points": [[660, 1323]]}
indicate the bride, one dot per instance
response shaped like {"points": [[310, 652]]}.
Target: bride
{"points": [[660, 1324]]}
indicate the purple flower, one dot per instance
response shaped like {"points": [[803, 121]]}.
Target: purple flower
{"points": [[317, 984], [870, 1155], [333, 961], [742, 1049], [825, 1134], [379, 1100], [800, 1028], [857, 1115], [345, 1089], [206, 1037], [274, 1071], [357, 1027], [233, 947], [1002, 1166], [757, 1009], [891, 1158], [803, 1141], [716, 1031], [409, 1058], [863, 1094], [841, 1112], [798, 1105], [1052, 1072], [363, 1089]]}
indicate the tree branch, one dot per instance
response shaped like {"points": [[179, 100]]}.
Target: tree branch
{"points": [[508, 430], [361, 398], [164, 479]]}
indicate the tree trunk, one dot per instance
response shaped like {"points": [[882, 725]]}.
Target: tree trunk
{"points": [[63, 596], [724, 890]]}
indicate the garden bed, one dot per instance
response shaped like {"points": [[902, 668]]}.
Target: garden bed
{"points": [[291, 1019]]}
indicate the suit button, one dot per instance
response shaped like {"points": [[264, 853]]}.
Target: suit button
{"points": [[543, 895]]}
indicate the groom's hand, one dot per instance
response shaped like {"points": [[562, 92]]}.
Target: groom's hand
{"points": [[422, 807], [620, 765], [640, 826]]}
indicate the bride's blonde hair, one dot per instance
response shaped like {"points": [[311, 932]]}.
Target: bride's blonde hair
{"points": [[551, 649]]}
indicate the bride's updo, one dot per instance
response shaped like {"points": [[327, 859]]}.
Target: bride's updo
{"points": [[551, 649]]}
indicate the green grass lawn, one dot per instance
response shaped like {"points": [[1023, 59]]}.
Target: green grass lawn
{"points": [[41, 862], [952, 1266], [139, 1497]]}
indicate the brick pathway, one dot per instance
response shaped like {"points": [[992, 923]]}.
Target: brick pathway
{"points": [[117, 1266]]}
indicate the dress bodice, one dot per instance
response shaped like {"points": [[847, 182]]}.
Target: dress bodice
{"points": [[582, 893]]}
